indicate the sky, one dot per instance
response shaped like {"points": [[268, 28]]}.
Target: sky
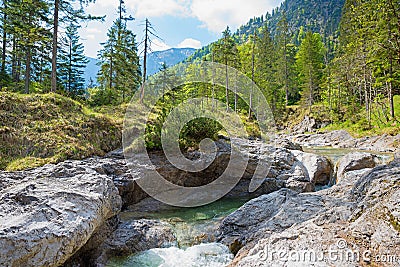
{"points": [[179, 23]]}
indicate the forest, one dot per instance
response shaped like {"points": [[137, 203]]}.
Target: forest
{"points": [[339, 64]]}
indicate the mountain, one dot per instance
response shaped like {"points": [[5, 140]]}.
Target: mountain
{"points": [[171, 57], [322, 16], [91, 70]]}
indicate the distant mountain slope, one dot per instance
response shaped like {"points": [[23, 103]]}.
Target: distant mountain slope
{"points": [[170, 57], [91, 70], [322, 16]]}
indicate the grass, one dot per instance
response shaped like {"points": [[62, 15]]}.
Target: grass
{"points": [[37, 129], [379, 126], [357, 126]]}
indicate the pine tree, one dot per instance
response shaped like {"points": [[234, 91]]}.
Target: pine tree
{"points": [[225, 52], [120, 67], [310, 62], [71, 15], [267, 71], [72, 62], [27, 19]]}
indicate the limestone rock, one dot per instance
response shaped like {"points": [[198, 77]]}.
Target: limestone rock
{"points": [[51, 212], [355, 161], [319, 168], [135, 236], [358, 215]]}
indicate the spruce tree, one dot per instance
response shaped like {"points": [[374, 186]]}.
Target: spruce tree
{"points": [[72, 62], [310, 63]]}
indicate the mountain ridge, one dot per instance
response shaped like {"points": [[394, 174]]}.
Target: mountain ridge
{"points": [[170, 56]]}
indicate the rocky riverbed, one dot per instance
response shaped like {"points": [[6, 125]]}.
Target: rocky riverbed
{"points": [[70, 213]]}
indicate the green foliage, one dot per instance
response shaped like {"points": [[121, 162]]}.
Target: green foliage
{"points": [[198, 129], [310, 63], [119, 61], [71, 63]]}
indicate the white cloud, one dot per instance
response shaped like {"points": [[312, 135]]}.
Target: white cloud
{"points": [[157, 45], [216, 15], [92, 30], [90, 37], [190, 43], [158, 8]]}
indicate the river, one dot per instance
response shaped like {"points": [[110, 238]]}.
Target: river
{"points": [[194, 227]]}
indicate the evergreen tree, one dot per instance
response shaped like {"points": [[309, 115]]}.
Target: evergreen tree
{"points": [[267, 71], [27, 18], [225, 52], [310, 62], [72, 62], [120, 68], [71, 14]]}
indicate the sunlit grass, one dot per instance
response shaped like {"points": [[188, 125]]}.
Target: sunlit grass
{"points": [[47, 128]]}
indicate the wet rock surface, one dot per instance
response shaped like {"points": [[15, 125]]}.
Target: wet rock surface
{"points": [[134, 236]]}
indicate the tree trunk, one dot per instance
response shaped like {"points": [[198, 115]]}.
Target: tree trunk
{"points": [[390, 93], [70, 68], [3, 55], [54, 52], [28, 69], [252, 74], [226, 85], [212, 82], [14, 59], [146, 37]]}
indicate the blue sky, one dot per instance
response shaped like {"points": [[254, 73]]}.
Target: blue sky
{"points": [[180, 23]]}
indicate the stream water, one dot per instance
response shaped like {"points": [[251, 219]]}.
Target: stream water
{"points": [[194, 227]]}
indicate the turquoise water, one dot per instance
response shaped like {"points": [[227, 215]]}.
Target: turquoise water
{"points": [[194, 229], [335, 154], [202, 255]]}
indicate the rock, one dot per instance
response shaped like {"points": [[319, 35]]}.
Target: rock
{"points": [[286, 143], [334, 139], [52, 211], [355, 161], [359, 216], [267, 214], [299, 186], [307, 125], [319, 168], [349, 178], [135, 236], [342, 139]]}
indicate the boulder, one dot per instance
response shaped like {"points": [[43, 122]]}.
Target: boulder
{"points": [[319, 168], [355, 161], [47, 214], [333, 138], [135, 236], [358, 216], [287, 144], [342, 139], [308, 124], [267, 214]]}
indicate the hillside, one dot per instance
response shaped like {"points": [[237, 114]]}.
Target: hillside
{"points": [[171, 57], [49, 128], [321, 16]]}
